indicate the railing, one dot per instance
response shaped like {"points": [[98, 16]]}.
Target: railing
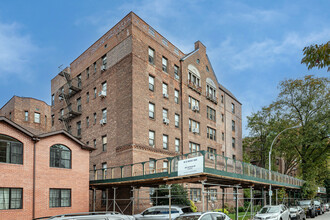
{"points": [[213, 163], [212, 97], [194, 86], [69, 113]]}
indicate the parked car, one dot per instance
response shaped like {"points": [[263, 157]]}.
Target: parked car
{"points": [[309, 207], [93, 216], [327, 206], [297, 213], [204, 216], [275, 212], [162, 212], [318, 207]]}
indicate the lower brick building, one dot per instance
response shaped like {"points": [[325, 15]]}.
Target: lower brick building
{"points": [[41, 174]]}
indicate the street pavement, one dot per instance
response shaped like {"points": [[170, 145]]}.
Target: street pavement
{"points": [[325, 216]]}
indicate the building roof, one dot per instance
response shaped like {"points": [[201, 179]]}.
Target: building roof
{"points": [[228, 93], [21, 97], [35, 135]]}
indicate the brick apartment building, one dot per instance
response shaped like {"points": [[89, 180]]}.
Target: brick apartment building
{"points": [[29, 113], [42, 174], [133, 96]]}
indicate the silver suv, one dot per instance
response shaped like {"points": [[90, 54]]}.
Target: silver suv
{"points": [[162, 212], [93, 216]]}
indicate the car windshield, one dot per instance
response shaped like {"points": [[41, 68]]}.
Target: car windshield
{"points": [[317, 203], [306, 202], [271, 209], [190, 217]]}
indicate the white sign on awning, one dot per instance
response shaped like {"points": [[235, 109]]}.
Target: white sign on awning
{"points": [[190, 166]]}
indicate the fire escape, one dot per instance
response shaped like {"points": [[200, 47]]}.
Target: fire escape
{"points": [[66, 92]]}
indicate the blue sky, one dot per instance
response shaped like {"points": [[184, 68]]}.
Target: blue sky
{"points": [[253, 45]]}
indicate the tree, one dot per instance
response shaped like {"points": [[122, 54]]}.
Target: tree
{"points": [[307, 102], [178, 193], [317, 56]]}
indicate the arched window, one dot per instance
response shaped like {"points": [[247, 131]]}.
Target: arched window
{"points": [[11, 150], [60, 156]]}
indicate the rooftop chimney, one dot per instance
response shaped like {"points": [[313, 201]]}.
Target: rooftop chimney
{"points": [[200, 46]]}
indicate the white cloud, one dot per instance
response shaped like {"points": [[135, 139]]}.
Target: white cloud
{"points": [[16, 51]]}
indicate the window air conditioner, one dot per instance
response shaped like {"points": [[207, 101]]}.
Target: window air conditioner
{"points": [[195, 130], [165, 95], [103, 67], [103, 121], [211, 157], [103, 94], [166, 121], [195, 108]]}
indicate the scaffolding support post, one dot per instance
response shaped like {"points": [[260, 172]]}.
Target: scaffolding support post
{"points": [[138, 199], [276, 196], [114, 198], [263, 197], [236, 202], [107, 199], [94, 198], [251, 200], [223, 199], [133, 200], [203, 199], [169, 201]]}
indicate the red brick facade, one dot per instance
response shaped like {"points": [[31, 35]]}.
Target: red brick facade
{"points": [[36, 177]]}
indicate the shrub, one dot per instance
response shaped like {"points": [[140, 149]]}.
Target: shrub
{"points": [[241, 209], [193, 206], [220, 210]]}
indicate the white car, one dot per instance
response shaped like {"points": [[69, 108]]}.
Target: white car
{"points": [[93, 216], [162, 212], [275, 212], [204, 216]]}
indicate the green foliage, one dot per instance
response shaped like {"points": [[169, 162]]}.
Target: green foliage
{"points": [[309, 189], [193, 206], [241, 209], [178, 192], [317, 56], [281, 194], [221, 210]]}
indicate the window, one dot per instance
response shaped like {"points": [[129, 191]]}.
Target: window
{"points": [[36, 117], [165, 113], [53, 99], [176, 72], [165, 141], [212, 194], [60, 156], [198, 61], [233, 142], [165, 94], [11, 198], [195, 194], [87, 97], [11, 150], [176, 96], [26, 115], [151, 56], [104, 198], [94, 65], [151, 110], [177, 145], [79, 128], [95, 93], [87, 143], [211, 151], [104, 143], [62, 112], [164, 64], [94, 118], [193, 147], [104, 62], [222, 118], [207, 68], [193, 104], [46, 120], [59, 198], [9, 115], [79, 104], [87, 72], [104, 114], [104, 87], [211, 114], [151, 31], [193, 126], [211, 133], [221, 98], [223, 136], [53, 120], [151, 138], [151, 83], [234, 157], [233, 125], [152, 163], [94, 143], [69, 129], [104, 170], [232, 107], [211, 92], [165, 166], [194, 79], [177, 120], [79, 80]]}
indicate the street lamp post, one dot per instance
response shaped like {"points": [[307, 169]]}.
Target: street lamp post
{"points": [[270, 159]]}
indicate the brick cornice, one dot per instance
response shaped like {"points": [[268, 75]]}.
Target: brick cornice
{"points": [[144, 148]]}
